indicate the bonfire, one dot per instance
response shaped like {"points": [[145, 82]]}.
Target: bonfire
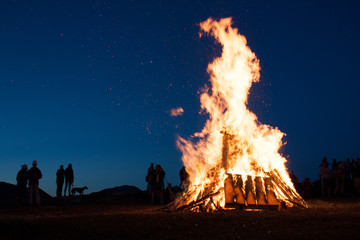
{"points": [[234, 161]]}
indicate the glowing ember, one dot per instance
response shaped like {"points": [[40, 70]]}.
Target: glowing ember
{"points": [[234, 159]]}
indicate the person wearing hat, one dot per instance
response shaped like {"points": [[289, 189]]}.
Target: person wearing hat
{"points": [[34, 174], [21, 179]]}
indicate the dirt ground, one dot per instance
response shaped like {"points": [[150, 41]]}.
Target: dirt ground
{"points": [[332, 219]]}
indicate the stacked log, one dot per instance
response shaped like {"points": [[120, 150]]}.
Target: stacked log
{"points": [[239, 191], [256, 192], [291, 195]]}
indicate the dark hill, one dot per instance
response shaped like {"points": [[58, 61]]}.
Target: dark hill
{"points": [[121, 190], [8, 193]]}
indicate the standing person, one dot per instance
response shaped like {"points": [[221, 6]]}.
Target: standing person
{"points": [[157, 184], [34, 174], [295, 181], [307, 188], [162, 176], [149, 177], [325, 177], [69, 178], [356, 176], [184, 178], [339, 174], [334, 164], [60, 174], [21, 179], [171, 193]]}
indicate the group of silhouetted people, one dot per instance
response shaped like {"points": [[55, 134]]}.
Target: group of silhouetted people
{"points": [[155, 182], [304, 188], [343, 177], [68, 175], [32, 176], [156, 187]]}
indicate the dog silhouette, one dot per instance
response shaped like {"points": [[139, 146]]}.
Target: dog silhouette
{"points": [[78, 190]]}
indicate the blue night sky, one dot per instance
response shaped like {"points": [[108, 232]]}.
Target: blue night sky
{"points": [[92, 82]]}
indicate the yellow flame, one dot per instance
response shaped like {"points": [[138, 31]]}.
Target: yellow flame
{"points": [[257, 145]]}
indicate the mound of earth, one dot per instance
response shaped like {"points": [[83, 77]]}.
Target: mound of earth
{"points": [[8, 192], [120, 190]]}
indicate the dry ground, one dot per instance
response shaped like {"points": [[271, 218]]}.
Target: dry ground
{"points": [[335, 219]]}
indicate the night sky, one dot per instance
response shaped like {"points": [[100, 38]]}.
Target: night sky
{"points": [[92, 83]]}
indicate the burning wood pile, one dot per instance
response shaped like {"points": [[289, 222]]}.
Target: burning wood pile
{"points": [[234, 161]]}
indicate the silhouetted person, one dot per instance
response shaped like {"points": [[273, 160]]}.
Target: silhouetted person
{"points": [[34, 174], [339, 174], [324, 161], [162, 174], [157, 184], [149, 177], [348, 177], [60, 174], [355, 172], [325, 177], [307, 188], [183, 178], [22, 180], [347, 168], [334, 164], [171, 193], [295, 181], [69, 178]]}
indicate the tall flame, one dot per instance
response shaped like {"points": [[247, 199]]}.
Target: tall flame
{"points": [[256, 150]]}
